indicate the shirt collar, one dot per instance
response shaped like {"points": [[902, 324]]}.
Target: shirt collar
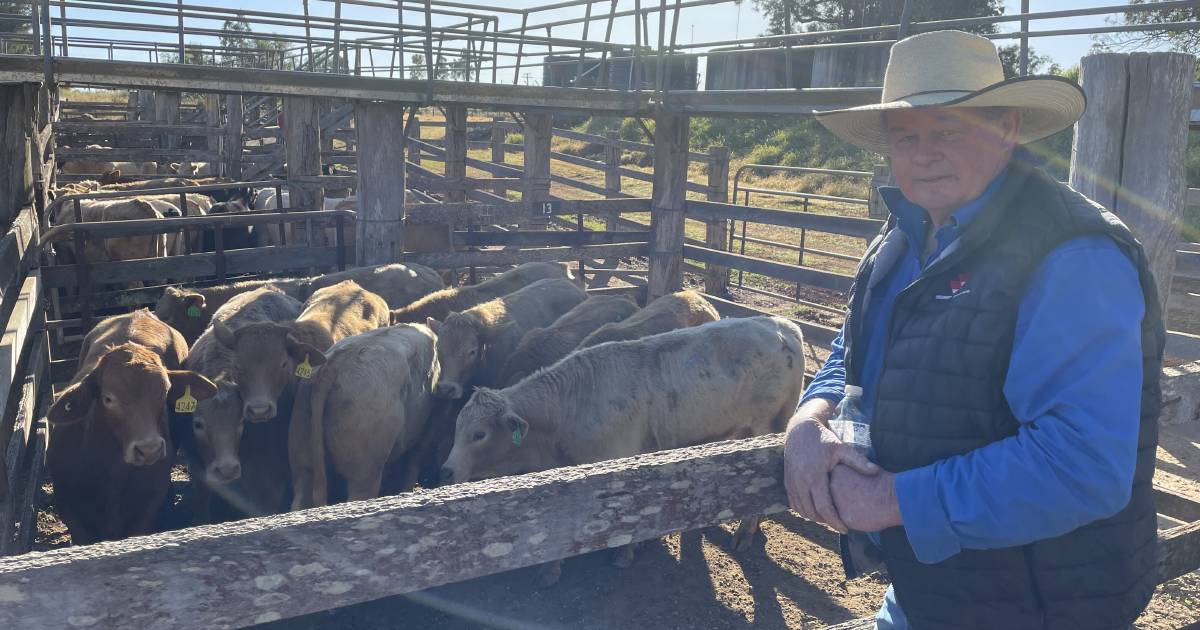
{"points": [[913, 220]]}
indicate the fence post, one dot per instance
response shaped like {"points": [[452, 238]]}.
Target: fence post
{"points": [[666, 205], [455, 143], [498, 136], [231, 148], [212, 118], [302, 143], [166, 111], [876, 209], [536, 184], [381, 186], [16, 151], [131, 113], [1129, 147], [716, 277], [414, 151]]}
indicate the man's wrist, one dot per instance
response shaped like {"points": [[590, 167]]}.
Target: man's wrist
{"points": [[818, 409]]}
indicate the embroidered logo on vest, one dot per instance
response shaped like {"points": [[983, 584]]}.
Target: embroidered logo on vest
{"points": [[958, 286]]}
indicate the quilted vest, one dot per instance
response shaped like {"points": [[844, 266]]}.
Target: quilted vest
{"points": [[941, 394]]}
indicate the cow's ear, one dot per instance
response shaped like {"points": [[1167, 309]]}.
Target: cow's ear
{"points": [[517, 425], [183, 380], [74, 403], [191, 299], [174, 168], [224, 334], [434, 325], [302, 351]]}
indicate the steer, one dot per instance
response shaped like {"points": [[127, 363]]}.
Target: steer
{"points": [[360, 435], [541, 347], [109, 249], [731, 379], [398, 284], [441, 303], [109, 447], [245, 465], [269, 355], [669, 312], [472, 345], [190, 310]]}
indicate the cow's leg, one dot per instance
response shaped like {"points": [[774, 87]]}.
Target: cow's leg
{"points": [[624, 556], [65, 502], [364, 483], [743, 538], [547, 574]]}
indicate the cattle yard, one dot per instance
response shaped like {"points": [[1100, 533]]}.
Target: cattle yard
{"points": [[369, 157]]}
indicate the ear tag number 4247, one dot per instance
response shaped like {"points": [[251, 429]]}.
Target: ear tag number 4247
{"points": [[305, 369], [186, 403]]}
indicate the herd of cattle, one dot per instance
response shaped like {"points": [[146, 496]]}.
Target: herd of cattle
{"points": [[293, 393]]}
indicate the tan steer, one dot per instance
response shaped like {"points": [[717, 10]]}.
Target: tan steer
{"points": [[441, 303], [669, 312], [541, 347]]}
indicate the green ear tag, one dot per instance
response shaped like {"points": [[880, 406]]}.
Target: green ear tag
{"points": [[304, 370], [517, 437], [185, 403], [193, 311]]}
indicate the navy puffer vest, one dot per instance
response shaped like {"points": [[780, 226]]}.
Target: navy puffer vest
{"points": [[941, 394]]}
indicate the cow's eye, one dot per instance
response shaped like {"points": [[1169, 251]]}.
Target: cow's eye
{"points": [[479, 435], [109, 400], [198, 424], [283, 365]]}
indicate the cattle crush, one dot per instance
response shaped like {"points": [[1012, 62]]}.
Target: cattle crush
{"points": [[325, 113]]}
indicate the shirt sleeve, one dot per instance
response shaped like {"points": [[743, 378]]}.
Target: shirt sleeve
{"points": [[1074, 383], [830, 381]]}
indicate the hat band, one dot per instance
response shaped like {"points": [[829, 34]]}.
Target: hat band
{"points": [[928, 92]]}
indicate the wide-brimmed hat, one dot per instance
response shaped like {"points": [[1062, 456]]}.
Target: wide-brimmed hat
{"points": [[957, 69]]}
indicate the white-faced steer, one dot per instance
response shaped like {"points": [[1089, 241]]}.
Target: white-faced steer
{"points": [[360, 435], [473, 345], [270, 355], [731, 379], [109, 448]]}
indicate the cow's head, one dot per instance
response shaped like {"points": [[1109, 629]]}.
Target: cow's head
{"points": [[462, 341], [126, 394], [111, 177], [183, 310], [232, 206], [217, 426], [489, 440], [266, 355]]}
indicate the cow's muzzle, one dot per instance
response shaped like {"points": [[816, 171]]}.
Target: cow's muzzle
{"points": [[447, 391], [146, 452], [258, 410], [224, 471]]}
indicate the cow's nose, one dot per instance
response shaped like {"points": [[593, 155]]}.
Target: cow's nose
{"points": [[259, 410], [147, 452], [227, 471], [447, 475]]}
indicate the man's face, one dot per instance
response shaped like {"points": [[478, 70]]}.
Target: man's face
{"points": [[945, 157]]}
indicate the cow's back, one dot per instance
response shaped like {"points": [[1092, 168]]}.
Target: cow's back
{"points": [[681, 309], [264, 304], [343, 310], [723, 380], [398, 284], [140, 327]]}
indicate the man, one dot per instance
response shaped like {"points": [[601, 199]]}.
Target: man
{"points": [[1001, 353]]}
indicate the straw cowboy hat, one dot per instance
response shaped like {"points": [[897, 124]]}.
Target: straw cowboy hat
{"points": [[957, 69]]}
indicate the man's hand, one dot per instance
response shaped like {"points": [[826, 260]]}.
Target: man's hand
{"points": [[865, 503], [809, 455]]}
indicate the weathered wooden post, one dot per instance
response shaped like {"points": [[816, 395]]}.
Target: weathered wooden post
{"points": [[381, 187], [612, 167], [414, 132], [1128, 152], [212, 119], [536, 184], [231, 145], [17, 102], [666, 205], [166, 112], [876, 209], [455, 143], [132, 105], [498, 136], [716, 277], [145, 105], [302, 138]]}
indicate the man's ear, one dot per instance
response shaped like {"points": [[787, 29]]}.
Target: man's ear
{"points": [[202, 388], [434, 325], [300, 350], [517, 425], [224, 334], [74, 403]]}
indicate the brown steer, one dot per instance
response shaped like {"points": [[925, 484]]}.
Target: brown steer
{"points": [[270, 355], [109, 448]]}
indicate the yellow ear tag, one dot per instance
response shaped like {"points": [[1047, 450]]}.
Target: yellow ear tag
{"points": [[185, 403], [304, 370]]}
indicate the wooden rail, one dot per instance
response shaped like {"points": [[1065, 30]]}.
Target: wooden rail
{"points": [[782, 271]]}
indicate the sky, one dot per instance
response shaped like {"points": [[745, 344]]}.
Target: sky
{"points": [[717, 23]]}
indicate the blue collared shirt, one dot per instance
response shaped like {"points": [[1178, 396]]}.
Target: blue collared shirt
{"points": [[1074, 383]]}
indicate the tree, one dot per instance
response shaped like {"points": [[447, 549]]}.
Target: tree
{"points": [[14, 20], [1187, 41], [790, 16], [416, 70]]}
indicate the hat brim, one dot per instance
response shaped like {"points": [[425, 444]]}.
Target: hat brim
{"points": [[1048, 105]]}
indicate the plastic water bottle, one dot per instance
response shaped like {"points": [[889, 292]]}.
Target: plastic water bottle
{"points": [[851, 425]]}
